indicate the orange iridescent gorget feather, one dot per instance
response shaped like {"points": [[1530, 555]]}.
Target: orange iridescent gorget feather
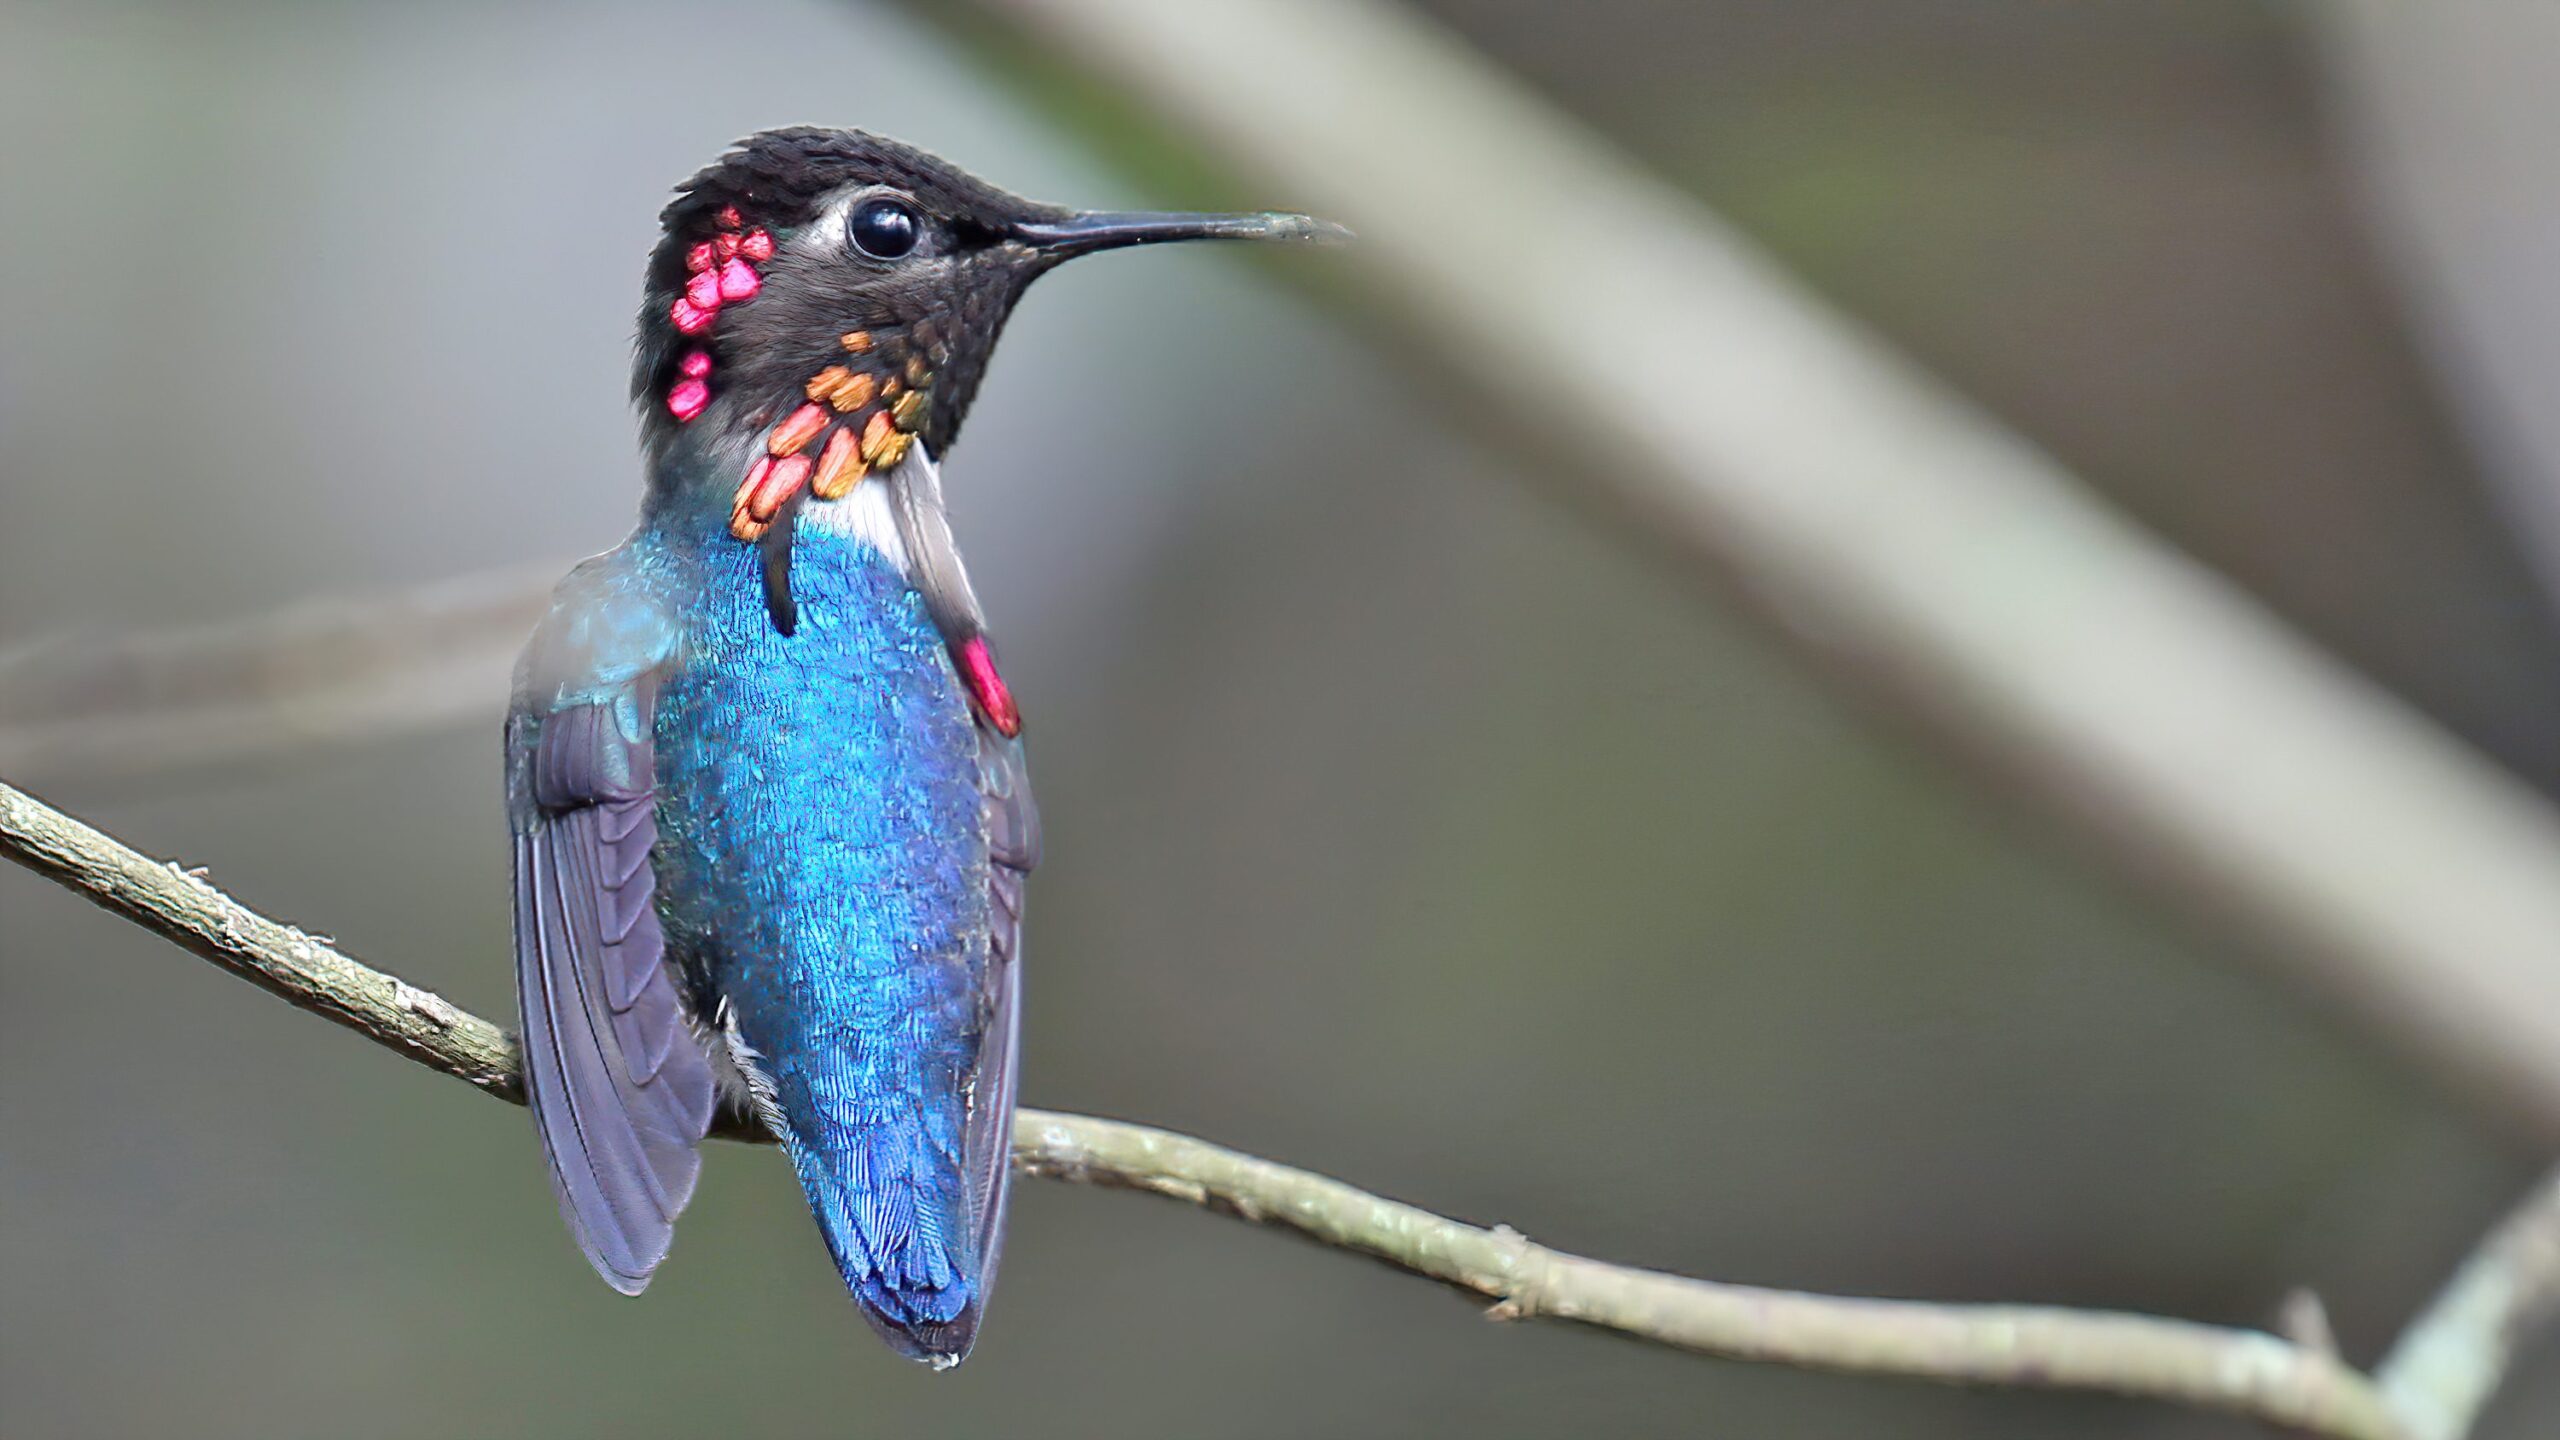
{"points": [[855, 422]]}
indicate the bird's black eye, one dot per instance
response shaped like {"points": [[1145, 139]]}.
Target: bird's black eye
{"points": [[884, 229]]}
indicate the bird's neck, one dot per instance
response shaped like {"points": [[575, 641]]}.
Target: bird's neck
{"points": [[891, 521], [691, 493]]}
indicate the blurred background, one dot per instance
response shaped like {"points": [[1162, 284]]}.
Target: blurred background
{"points": [[1367, 849]]}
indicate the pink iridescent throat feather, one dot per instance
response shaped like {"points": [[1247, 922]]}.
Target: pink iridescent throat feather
{"points": [[722, 271], [995, 701]]}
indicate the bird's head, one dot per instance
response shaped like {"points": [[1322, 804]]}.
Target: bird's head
{"points": [[821, 300]]}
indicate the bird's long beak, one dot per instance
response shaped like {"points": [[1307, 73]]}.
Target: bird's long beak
{"points": [[1112, 229]]}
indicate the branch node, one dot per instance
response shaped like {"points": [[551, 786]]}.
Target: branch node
{"points": [[1523, 1280], [2302, 1319], [427, 1004]]}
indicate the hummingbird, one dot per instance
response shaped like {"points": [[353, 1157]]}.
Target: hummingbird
{"points": [[771, 815]]}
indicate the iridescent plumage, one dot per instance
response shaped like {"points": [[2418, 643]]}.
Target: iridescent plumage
{"points": [[771, 815], [834, 851]]}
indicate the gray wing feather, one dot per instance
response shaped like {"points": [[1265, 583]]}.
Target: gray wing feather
{"points": [[621, 1090], [1013, 845], [933, 560]]}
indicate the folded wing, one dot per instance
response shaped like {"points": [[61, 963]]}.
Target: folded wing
{"points": [[1013, 849], [620, 1086]]}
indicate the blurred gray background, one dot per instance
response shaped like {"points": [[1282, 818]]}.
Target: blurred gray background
{"points": [[1370, 849]]}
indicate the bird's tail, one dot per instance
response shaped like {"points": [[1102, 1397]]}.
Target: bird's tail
{"points": [[890, 1201]]}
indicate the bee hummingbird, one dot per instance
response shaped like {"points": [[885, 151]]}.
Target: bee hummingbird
{"points": [[765, 782]]}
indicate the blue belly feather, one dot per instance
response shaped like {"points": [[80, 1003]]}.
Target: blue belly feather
{"points": [[823, 871]]}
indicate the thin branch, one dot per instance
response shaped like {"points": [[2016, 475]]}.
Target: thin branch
{"points": [[175, 902], [1901, 539], [333, 669], [2452, 1357], [2470, 1332]]}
